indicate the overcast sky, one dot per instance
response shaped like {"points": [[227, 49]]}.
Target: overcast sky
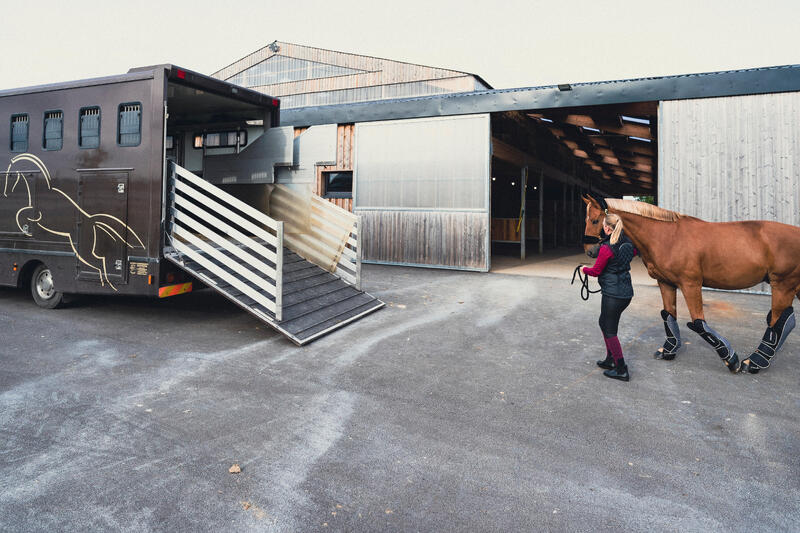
{"points": [[510, 44]]}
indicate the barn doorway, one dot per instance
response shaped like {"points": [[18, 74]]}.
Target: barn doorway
{"points": [[544, 160]]}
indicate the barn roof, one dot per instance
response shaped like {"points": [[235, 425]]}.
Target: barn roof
{"points": [[303, 75]]}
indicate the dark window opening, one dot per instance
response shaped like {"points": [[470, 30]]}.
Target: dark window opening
{"points": [[89, 128], [53, 130], [338, 184], [129, 127], [19, 133]]}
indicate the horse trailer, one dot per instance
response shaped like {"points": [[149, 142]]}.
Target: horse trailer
{"points": [[149, 182]]}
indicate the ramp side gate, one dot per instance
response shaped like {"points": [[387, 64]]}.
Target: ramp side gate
{"points": [[300, 275]]}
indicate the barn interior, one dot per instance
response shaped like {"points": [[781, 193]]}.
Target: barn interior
{"points": [[544, 160]]}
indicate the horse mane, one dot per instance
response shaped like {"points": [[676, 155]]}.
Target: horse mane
{"points": [[644, 209]]}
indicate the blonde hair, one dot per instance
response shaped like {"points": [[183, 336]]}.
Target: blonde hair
{"points": [[615, 223]]}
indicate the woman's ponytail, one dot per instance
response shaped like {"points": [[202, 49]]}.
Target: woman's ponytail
{"points": [[615, 223]]}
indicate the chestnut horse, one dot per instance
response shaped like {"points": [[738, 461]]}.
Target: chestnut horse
{"points": [[686, 253]]}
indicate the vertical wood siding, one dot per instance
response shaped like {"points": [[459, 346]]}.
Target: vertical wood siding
{"points": [[733, 158], [345, 135], [444, 239]]}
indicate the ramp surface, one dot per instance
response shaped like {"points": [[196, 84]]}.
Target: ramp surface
{"points": [[315, 302]]}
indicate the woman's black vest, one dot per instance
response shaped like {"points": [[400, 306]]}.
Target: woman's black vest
{"points": [[615, 280]]}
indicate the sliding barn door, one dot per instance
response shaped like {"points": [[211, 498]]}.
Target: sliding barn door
{"points": [[421, 188]]}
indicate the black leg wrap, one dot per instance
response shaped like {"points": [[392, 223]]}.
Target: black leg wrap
{"points": [[772, 340], [718, 342], [673, 341]]}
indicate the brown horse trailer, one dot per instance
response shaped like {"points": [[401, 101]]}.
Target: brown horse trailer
{"points": [[148, 182]]}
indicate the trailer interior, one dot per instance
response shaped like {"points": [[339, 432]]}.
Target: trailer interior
{"points": [[289, 259]]}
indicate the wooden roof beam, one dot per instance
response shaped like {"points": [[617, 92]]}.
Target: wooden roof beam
{"points": [[608, 126]]}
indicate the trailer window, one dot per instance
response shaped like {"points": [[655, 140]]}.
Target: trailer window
{"points": [[89, 127], [129, 125], [19, 133], [222, 139], [53, 130]]}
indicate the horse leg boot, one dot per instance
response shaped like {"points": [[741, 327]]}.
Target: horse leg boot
{"points": [[719, 343], [772, 341], [673, 341]]}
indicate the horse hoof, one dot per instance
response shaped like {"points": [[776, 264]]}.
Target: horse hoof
{"points": [[661, 354], [733, 364], [749, 368]]}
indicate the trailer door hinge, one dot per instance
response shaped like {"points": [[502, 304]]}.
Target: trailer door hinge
{"points": [[121, 188]]}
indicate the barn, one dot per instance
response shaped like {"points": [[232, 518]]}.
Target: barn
{"points": [[443, 169]]}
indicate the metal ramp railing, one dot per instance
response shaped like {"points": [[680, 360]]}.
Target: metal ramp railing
{"points": [[219, 238], [300, 274]]}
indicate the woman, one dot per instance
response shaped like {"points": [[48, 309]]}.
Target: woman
{"points": [[612, 268]]}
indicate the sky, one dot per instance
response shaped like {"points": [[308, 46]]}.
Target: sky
{"points": [[508, 43]]}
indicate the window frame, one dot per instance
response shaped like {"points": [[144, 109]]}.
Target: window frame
{"points": [[44, 130], [99, 126], [336, 194], [119, 123], [27, 133]]}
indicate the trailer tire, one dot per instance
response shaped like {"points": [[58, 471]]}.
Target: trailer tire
{"points": [[43, 290]]}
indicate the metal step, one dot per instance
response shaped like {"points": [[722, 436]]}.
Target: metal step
{"points": [[315, 302]]}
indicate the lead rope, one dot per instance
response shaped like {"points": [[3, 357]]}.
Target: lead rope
{"points": [[585, 291]]}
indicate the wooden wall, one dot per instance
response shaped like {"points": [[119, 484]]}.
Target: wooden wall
{"points": [[345, 135], [505, 229], [449, 239]]}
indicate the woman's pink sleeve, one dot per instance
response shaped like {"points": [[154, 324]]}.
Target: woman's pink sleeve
{"points": [[603, 256]]}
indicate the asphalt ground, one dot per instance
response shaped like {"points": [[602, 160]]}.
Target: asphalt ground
{"points": [[470, 403]]}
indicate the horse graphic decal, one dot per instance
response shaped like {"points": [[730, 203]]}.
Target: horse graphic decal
{"points": [[102, 225]]}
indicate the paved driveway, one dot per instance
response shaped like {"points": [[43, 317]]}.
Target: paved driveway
{"points": [[470, 403]]}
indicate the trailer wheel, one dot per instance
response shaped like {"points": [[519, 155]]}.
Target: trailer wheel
{"points": [[43, 290]]}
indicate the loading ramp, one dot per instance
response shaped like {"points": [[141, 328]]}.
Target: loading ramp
{"points": [[300, 275]]}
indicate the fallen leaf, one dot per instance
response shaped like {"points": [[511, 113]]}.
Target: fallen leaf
{"points": [[235, 469], [245, 505], [389, 511]]}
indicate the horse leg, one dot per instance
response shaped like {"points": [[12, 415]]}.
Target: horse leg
{"points": [[694, 300], [669, 295], [780, 322]]}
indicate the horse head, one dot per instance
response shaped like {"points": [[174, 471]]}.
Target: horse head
{"points": [[15, 177], [593, 232]]}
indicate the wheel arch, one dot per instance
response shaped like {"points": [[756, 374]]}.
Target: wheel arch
{"points": [[25, 273]]}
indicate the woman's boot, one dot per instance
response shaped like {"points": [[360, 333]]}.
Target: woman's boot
{"points": [[619, 372], [608, 362]]}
